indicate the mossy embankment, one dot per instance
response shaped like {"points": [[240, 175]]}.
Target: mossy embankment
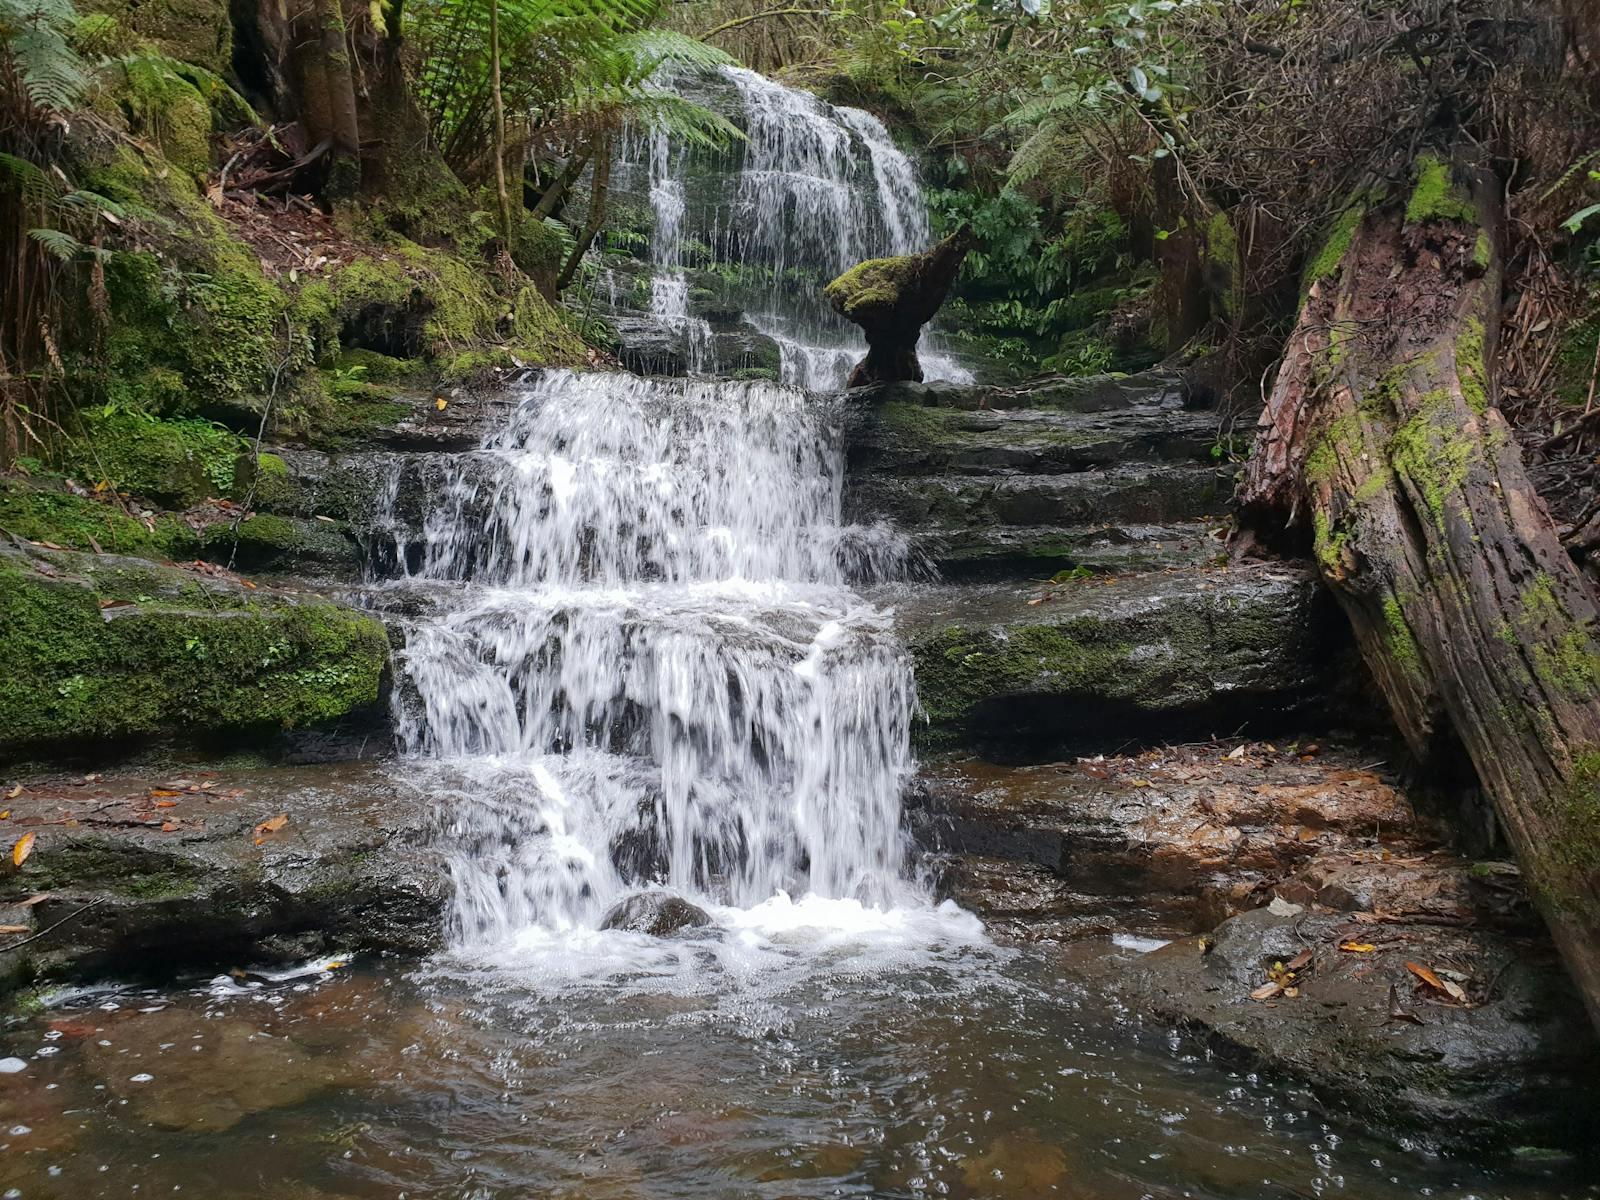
{"points": [[103, 648]]}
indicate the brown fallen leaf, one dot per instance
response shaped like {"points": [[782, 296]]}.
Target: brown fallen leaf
{"points": [[1267, 991], [15, 928], [1398, 1011], [36, 898], [1427, 976], [1300, 961], [14, 792], [165, 792], [23, 848], [168, 827], [166, 804], [270, 826]]}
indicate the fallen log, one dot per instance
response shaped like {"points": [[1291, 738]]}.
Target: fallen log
{"points": [[1382, 442]]}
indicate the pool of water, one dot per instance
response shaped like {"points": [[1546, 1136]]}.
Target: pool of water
{"points": [[765, 1063]]}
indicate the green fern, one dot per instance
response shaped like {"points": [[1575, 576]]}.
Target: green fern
{"points": [[35, 36]]}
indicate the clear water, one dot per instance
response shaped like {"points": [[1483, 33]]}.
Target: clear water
{"points": [[950, 1072]]}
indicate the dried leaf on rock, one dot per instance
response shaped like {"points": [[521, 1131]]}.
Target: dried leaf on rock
{"points": [[1266, 991], [23, 848], [1357, 947], [270, 826]]}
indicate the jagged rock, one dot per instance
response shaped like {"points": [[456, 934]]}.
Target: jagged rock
{"points": [[660, 914], [892, 299], [1515, 1066]]}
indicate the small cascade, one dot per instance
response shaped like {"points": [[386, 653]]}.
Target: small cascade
{"points": [[645, 664], [815, 189]]}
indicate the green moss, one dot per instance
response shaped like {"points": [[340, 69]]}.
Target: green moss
{"points": [[169, 654], [1433, 452], [1328, 544], [42, 514], [166, 108], [1223, 263], [1572, 852], [194, 31], [874, 284], [1570, 664], [175, 462], [1483, 250], [957, 669], [1402, 643], [1539, 602], [1471, 367], [1434, 195], [1326, 261], [1575, 358]]}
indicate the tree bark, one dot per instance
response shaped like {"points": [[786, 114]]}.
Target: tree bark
{"points": [[1381, 439], [501, 196], [344, 176], [597, 209]]}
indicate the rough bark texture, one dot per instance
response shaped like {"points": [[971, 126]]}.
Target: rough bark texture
{"points": [[1382, 438], [892, 299]]}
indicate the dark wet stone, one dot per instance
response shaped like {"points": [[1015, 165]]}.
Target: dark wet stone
{"points": [[1146, 658], [660, 914], [193, 883], [1517, 1066]]}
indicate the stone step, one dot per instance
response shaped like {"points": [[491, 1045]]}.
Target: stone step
{"points": [[901, 438], [1077, 393], [1102, 663], [1040, 552], [922, 506]]}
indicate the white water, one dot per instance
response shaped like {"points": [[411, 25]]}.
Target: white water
{"points": [[647, 667], [819, 189]]}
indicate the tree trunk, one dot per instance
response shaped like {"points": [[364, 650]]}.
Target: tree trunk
{"points": [[597, 209], [344, 175], [501, 196], [1381, 438]]}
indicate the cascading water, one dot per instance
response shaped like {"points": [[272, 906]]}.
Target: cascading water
{"points": [[817, 189], [647, 665]]}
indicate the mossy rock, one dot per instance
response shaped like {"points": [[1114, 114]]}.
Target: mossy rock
{"points": [[166, 108], [874, 286], [101, 647], [266, 540], [44, 511], [193, 31], [177, 463]]}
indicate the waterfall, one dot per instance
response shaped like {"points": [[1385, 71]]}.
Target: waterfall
{"points": [[645, 664], [815, 189]]}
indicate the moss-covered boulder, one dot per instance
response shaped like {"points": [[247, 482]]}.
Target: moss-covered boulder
{"points": [[46, 511], [102, 648], [265, 541], [892, 299]]}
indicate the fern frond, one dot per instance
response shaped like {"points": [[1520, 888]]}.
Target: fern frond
{"points": [[58, 244]]}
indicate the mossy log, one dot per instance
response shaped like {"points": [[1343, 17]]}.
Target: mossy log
{"points": [[1381, 441], [892, 299]]}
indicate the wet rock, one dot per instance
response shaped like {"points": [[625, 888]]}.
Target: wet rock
{"points": [[1514, 1066], [104, 648], [1153, 657], [1079, 393], [647, 346], [147, 876], [1173, 839], [660, 914], [177, 1070], [320, 547]]}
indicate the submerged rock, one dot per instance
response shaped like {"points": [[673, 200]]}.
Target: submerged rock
{"points": [[660, 914], [1512, 1065]]}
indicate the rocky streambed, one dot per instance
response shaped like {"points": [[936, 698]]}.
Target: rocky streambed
{"points": [[1126, 738]]}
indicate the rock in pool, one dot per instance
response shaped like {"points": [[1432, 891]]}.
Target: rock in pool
{"points": [[660, 914]]}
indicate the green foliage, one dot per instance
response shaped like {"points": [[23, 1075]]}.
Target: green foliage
{"points": [[1435, 196], [36, 36]]}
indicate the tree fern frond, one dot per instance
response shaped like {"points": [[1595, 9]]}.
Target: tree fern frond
{"points": [[58, 244]]}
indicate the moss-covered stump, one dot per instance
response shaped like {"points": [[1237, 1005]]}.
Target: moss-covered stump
{"points": [[1137, 660], [102, 648], [181, 874]]}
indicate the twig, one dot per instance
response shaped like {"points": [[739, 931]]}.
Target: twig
{"points": [[51, 928]]}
